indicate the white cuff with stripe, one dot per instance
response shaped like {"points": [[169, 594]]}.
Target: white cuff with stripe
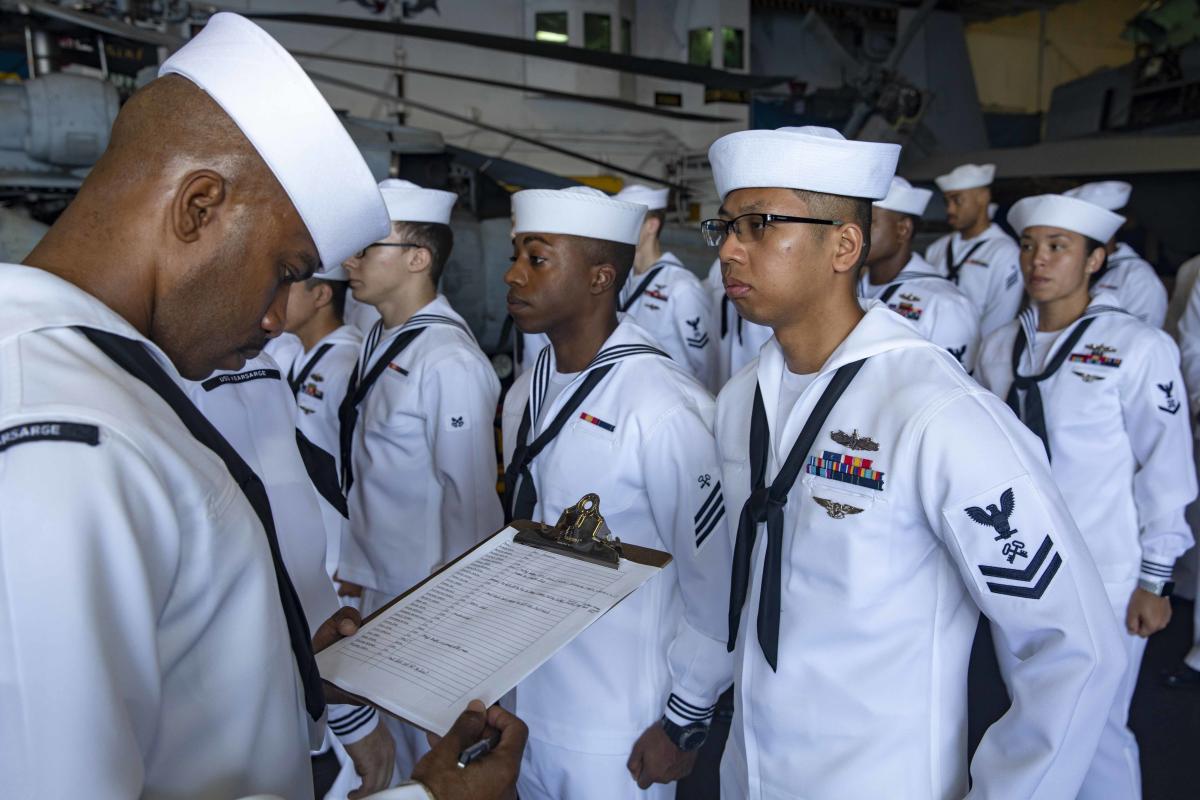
{"points": [[352, 723]]}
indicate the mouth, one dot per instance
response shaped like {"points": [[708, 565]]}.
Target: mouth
{"points": [[515, 303], [736, 289]]}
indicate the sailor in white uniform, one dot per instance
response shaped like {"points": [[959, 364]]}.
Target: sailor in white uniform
{"points": [[908, 285], [663, 296], [1125, 274], [979, 257], [859, 458], [739, 340], [152, 643], [1103, 392], [317, 375], [254, 411], [418, 452], [628, 703]]}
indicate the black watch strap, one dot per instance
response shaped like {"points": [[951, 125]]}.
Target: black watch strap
{"points": [[687, 738]]}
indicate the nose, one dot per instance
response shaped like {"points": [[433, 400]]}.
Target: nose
{"points": [[515, 275], [730, 250], [275, 320]]}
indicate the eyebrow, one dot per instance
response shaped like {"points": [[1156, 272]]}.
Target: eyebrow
{"points": [[529, 238]]}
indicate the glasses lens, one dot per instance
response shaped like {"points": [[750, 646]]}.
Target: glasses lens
{"points": [[713, 231], [750, 228]]}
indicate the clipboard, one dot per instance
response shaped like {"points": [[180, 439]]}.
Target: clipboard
{"points": [[484, 621]]}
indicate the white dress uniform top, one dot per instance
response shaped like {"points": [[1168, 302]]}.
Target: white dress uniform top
{"points": [[1128, 276], [159, 658], [642, 440], [937, 308], [253, 409], [1107, 399], [423, 465], [669, 301], [1189, 347], [180, 664], [871, 570], [986, 267]]}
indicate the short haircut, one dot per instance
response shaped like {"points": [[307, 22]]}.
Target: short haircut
{"points": [[337, 302], [1090, 246], [603, 251], [846, 209], [435, 237]]}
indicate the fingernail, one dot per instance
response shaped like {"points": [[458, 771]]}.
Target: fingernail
{"points": [[476, 705]]}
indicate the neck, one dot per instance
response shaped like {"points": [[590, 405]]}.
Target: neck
{"points": [[646, 256], [977, 227], [316, 329], [576, 343], [397, 309], [886, 269], [810, 339], [1054, 315], [77, 254]]}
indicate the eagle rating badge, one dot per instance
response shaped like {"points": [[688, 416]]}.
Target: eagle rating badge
{"points": [[1002, 513]]}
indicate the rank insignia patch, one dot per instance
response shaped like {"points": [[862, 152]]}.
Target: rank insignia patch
{"points": [[608, 426], [712, 510], [1171, 405], [836, 510], [699, 338], [1087, 377], [1097, 354], [312, 391], [847, 469], [957, 352], [996, 517], [1021, 582], [908, 311], [854, 441]]}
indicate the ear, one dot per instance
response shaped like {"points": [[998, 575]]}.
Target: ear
{"points": [[194, 206], [421, 260], [905, 228], [322, 295], [848, 240], [653, 224], [604, 279], [1094, 261]]}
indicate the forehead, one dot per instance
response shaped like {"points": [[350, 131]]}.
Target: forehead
{"points": [[1046, 233], [762, 201]]}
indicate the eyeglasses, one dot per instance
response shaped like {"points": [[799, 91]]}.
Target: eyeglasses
{"points": [[363, 252], [749, 228]]}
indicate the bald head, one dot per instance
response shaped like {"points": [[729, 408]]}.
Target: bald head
{"points": [[182, 229]]}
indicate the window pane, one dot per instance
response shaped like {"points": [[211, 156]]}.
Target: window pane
{"points": [[700, 42], [551, 26], [626, 36], [734, 41], [597, 32]]}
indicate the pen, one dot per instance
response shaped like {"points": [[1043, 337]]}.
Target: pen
{"points": [[477, 750]]}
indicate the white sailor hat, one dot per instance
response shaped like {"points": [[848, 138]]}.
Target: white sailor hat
{"points": [[905, 198], [966, 176], [577, 211], [1113, 195], [407, 202], [1068, 213], [338, 273], [811, 158], [275, 105], [653, 199]]}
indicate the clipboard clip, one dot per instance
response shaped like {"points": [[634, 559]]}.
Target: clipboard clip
{"points": [[580, 533]]}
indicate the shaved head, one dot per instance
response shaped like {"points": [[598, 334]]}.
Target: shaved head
{"points": [[182, 229]]}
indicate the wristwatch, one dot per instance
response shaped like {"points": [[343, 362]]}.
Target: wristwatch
{"points": [[687, 738], [1160, 588]]}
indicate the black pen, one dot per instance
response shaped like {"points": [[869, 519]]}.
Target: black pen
{"points": [[477, 750]]}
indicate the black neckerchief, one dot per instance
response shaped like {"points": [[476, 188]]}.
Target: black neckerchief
{"points": [[133, 357], [1034, 415], [953, 269], [296, 381], [765, 504]]}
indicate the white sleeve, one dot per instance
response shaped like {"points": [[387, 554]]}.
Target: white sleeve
{"points": [[1007, 289], [1144, 295], [1155, 407], [1047, 606], [692, 318], [84, 560], [683, 480], [1189, 345], [955, 328], [460, 393], [352, 723]]}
